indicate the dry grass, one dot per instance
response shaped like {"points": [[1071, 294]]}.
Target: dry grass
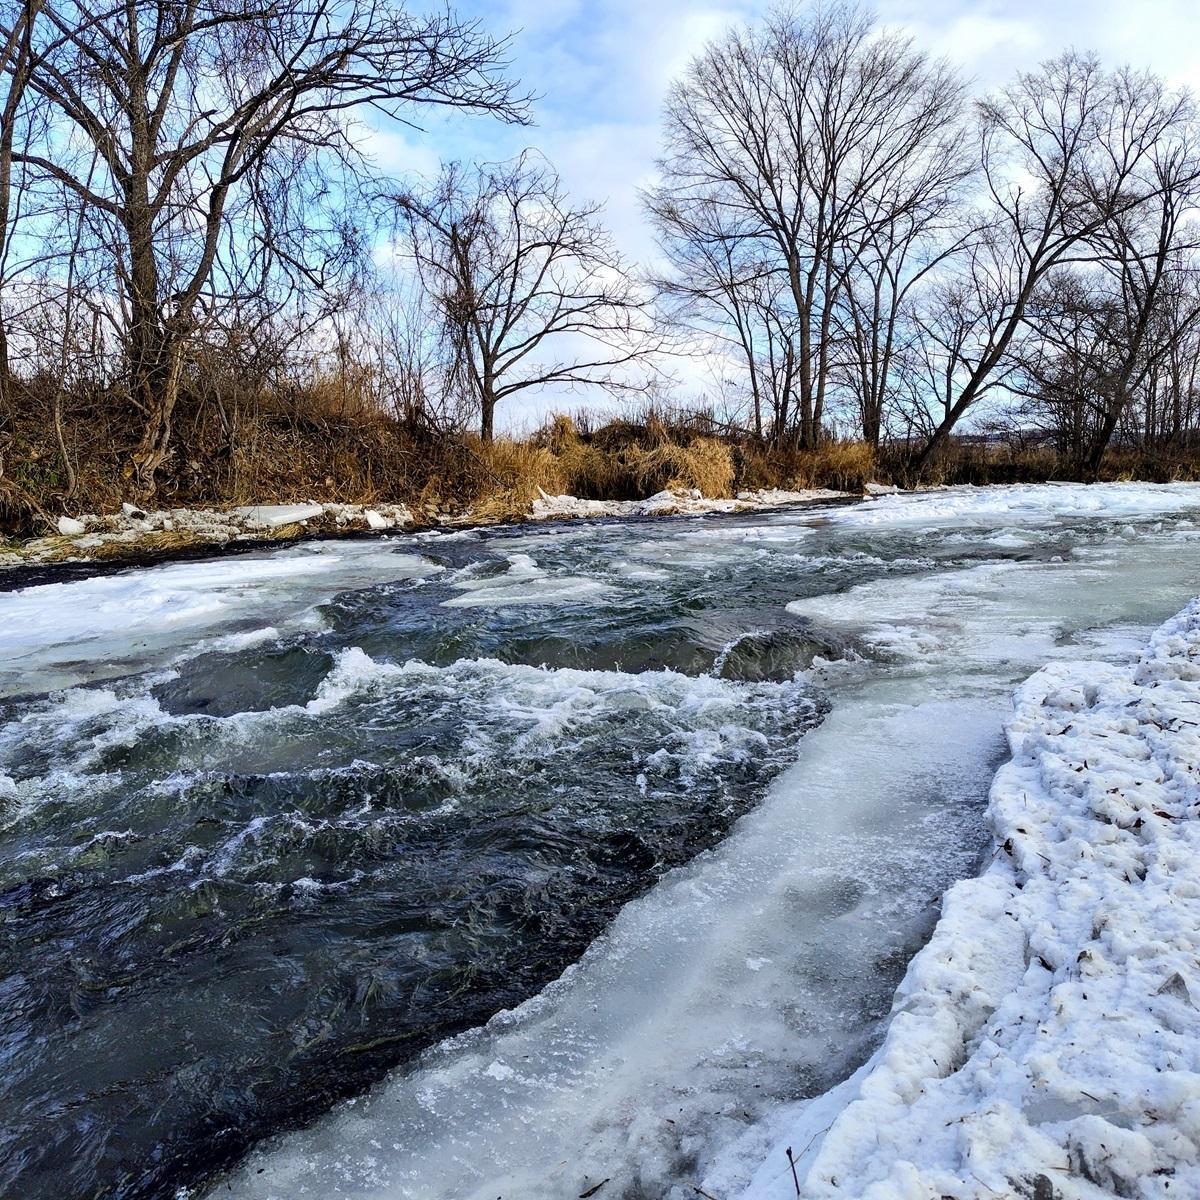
{"points": [[240, 444], [841, 466], [704, 464], [511, 472], [625, 460]]}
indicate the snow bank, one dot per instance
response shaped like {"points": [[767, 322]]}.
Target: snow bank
{"points": [[556, 508], [1046, 1042], [132, 530]]}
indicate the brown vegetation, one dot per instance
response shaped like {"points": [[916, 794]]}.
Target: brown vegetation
{"points": [[328, 442]]}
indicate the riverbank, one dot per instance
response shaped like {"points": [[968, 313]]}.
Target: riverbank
{"points": [[138, 536], [1044, 1042]]}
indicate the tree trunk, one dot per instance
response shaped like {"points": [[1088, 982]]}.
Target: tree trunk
{"points": [[161, 386], [5, 373]]}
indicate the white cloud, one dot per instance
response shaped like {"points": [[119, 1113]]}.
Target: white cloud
{"points": [[397, 151]]}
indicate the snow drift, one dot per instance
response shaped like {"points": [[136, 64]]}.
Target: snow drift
{"points": [[1046, 1042]]}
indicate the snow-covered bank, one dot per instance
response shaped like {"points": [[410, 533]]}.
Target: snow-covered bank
{"points": [[670, 503], [1046, 1042], [133, 532]]}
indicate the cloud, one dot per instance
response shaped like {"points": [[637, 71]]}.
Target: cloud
{"points": [[398, 152]]}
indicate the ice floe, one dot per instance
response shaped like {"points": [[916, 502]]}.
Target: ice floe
{"points": [[1021, 503], [60, 634]]}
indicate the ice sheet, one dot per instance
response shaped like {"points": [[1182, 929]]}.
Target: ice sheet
{"points": [[61, 634], [1045, 1041]]}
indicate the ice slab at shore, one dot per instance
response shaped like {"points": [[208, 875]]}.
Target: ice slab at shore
{"points": [[1047, 1039], [1020, 503], [272, 516]]}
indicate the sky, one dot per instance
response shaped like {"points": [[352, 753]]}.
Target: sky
{"points": [[600, 70]]}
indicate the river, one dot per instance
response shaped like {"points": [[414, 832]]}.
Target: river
{"points": [[511, 862]]}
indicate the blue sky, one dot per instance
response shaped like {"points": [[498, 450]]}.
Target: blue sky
{"points": [[601, 67]]}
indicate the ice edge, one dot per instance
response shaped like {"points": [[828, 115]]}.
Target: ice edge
{"points": [[1046, 1041]]}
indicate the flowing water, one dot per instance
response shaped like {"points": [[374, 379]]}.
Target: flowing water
{"points": [[274, 825]]}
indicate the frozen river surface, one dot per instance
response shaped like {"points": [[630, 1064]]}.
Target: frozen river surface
{"points": [[283, 827]]}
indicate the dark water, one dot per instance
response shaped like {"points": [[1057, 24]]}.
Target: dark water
{"points": [[243, 878]]}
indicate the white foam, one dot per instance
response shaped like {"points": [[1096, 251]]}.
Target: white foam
{"points": [[522, 583]]}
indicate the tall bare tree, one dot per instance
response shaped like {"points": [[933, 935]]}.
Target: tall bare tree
{"points": [[913, 226], [1064, 152], [798, 137], [1145, 252], [734, 308], [529, 286], [188, 129], [16, 65]]}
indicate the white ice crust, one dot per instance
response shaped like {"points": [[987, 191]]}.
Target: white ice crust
{"points": [[1046, 1041], [665, 503], [66, 633], [1020, 503]]}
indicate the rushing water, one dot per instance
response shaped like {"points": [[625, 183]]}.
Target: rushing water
{"points": [[271, 825]]}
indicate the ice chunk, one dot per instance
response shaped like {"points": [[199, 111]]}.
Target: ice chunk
{"points": [[272, 516]]}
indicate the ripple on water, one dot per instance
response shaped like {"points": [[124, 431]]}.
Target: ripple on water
{"points": [[284, 900]]}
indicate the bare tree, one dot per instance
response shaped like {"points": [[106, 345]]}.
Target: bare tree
{"points": [[912, 228], [193, 131], [529, 287], [1145, 251], [796, 139], [1060, 361], [731, 305], [16, 66], [1171, 412], [1064, 152]]}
